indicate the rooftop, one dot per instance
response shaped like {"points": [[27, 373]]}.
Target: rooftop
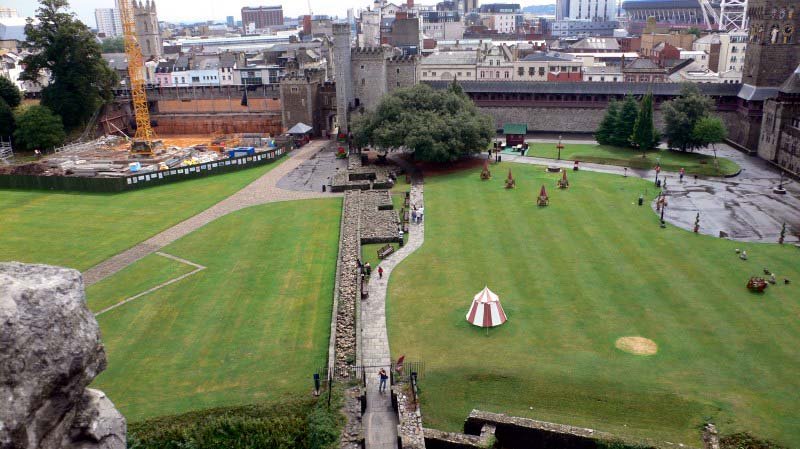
{"points": [[562, 57], [451, 57], [596, 43]]}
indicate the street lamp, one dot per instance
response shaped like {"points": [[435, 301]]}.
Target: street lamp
{"points": [[559, 146], [780, 190]]}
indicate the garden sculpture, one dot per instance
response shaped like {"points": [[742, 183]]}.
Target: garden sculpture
{"points": [[543, 199], [485, 173], [563, 183], [510, 182]]}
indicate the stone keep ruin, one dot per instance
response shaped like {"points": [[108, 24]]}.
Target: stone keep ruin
{"points": [[50, 351]]}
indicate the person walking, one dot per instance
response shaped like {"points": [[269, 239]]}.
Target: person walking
{"points": [[367, 269], [681, 173], [384, 377], [380, 272], [420, 214]]}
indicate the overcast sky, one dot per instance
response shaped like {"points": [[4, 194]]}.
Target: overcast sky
{"points": [[201, 10]]}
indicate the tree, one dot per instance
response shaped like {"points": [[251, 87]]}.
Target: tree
{"points": [[645, 136], [708, 131], [38, 128], [80, 79], [605, 132], [113, 45], [9, 92], [625, 122], [438, 126], [682, 114], [6, 120]]}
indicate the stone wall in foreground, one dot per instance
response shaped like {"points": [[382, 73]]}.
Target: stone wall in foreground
{"points": [[50, 351]]}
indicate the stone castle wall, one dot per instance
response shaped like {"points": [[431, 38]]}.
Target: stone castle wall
{"points": [[568, 120]]}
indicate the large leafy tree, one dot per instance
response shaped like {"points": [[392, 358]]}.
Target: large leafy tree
{"points": [[6, 120], [113, 45], [709, 131], [605, 132], [38, 128], [645, 136], [9, 92], [61, 45], [681, 116], [625, 122], [438, 126]]}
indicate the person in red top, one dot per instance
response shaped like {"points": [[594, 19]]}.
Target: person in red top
{"points": [[380, 272]]}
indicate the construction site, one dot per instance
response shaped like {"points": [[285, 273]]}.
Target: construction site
{"points": [[120, 142]]}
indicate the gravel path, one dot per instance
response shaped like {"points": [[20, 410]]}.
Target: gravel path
{"points": [[261, 191]]}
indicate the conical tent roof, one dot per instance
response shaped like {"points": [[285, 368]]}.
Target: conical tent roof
{"points": [[486, 310], [543, 192]]}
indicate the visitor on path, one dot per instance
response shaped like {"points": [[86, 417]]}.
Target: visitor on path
{"points": [[626, 172], [367, 269], [420, 214], [413, 215], [681, 173], [401, 235], [360, 267], [383, 376], [380, 272]]}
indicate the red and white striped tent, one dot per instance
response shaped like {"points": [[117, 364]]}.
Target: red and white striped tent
{"points": [[486, 310]]}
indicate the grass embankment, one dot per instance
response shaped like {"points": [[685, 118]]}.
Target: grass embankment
{"points": [[79, 230], [574, 277], [670, 160], [297, 423], [252, 327]]}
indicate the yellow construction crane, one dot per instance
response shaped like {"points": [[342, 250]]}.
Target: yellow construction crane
{"points": [[143, 139]]}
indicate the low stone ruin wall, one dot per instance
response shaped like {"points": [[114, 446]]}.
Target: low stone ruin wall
{"points": [[522, 433], [348, 285], [379, 221], [409, 429], [436, 439]]}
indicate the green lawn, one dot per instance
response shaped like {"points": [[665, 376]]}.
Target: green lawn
{"points": [[693, 163], [79, 230], [575, 276], [252, 327]]}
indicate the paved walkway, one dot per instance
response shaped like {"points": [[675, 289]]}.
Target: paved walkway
{"points": [[261, 191], [744, 206], [380, 419]]}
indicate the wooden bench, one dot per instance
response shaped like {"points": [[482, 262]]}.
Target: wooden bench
{"points": [[385, 251]]}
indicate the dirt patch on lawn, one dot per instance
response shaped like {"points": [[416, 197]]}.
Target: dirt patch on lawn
{"points": [[637, 345]]}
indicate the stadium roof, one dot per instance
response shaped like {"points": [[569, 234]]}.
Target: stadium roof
{"points": [[660, 4]]}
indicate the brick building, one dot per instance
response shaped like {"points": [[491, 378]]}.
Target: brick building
{"points": [[261, 17]]}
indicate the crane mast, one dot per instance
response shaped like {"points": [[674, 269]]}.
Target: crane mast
{"points": [[143, 139]]}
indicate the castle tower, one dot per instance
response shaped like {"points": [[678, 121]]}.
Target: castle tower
{"points": [[772, 55], [147, 32], [343, 74]]}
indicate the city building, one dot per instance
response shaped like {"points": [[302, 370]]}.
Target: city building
{"points": [[147, 30], [442, 25], [448, 65], [109, 22], [502, 17], [602, 74], [578, 28], [595, 10], [554, 67], [644, 70], [733, 47], [230, 22], [261, 17], [12, 31]]}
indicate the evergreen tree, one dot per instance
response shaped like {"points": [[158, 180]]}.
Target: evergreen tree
{"points": [[625, 122], [605, 132], [681, 116], [9, 92], [38, 128], [644, 134], [80, 79], [6, 120]]}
